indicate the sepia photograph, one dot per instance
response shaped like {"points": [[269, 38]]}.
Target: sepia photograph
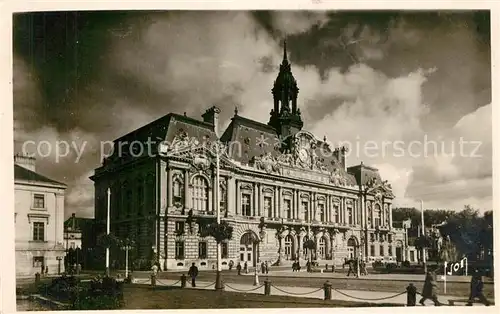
{"points": [[211, 159]]}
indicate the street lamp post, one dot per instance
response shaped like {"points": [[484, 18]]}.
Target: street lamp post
{"points": [[423, 237], [126, 247], [218, 280], [108, 231]]}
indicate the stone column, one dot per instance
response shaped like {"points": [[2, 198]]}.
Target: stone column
{"points": [[187, 199], [237, 197], [215, 186], [170, 190], [275, 201], [231, 194], [256, 202], [300, 246], [279, 214], [389, 206]]}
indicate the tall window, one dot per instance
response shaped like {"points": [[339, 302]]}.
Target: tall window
{"points": [[179, 250], [288, 246], [321, 210], [376, 215], [39, 201], [288, 208], [222, 198], [372, 250], [389, 250], [322, 247], [179, 227], [38, 261], [350, 219], [268, 208], [382, 250], [246, 205], [178, 191], [38, 231], [336, 213], [224, 250], [305, 210], [202, 250], [200, 194]]}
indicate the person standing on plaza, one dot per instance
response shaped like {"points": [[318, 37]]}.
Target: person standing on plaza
{"points": [[238, 268], [193, 273], [351, 268], [476, 290], [263, 268], [231, 264], [266, 265], [245, 267], [429, 291]]}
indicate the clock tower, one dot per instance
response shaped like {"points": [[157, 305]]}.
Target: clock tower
{"points": [[285, 116]]}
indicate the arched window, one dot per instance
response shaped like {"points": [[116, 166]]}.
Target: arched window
{"points": [[376, 215], [321, 212], [200, 194], [322, 247], [288, 247], [336, 212], [350, 218]]}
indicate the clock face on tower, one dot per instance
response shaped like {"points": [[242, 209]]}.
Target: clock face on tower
{"points": [[303, 156]]}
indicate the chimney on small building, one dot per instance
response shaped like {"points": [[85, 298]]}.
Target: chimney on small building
{"points": [[212, 116], [73, 220], [25, 161]]}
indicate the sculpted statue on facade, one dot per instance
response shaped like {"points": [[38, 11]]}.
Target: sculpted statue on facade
{"points": [[336, 178]]}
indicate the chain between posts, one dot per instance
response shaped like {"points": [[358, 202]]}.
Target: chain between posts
{"points": [[253, 289], [292, 293], [370, 299]]}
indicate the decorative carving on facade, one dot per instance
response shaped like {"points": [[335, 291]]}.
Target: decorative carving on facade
{"points": [[201, 162], [246, 186], [182, 141], [336, 178], [267, 163]]}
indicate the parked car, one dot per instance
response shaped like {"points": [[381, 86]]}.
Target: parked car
{"points": [[389, 260]]}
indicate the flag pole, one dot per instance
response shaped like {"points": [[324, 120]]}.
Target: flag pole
{"points": [[108, 231]]}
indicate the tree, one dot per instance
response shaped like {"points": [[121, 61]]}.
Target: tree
{"points": [[220, 232]]}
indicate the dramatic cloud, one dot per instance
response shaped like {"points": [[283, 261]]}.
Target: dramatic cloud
{"points": [[361, 81]]}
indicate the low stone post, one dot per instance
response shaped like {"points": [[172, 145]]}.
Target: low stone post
{"points": [[183, 281], [327, 287], [267, 287], [153, 281], [411, 295]]}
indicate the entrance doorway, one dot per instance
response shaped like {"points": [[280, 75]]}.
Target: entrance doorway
{"points": [[352, 247], [249, 248]]}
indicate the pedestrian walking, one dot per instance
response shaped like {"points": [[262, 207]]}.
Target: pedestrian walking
{"points": [[429, 291], [193, 273], [231, 264], [267, 268], [263, 268], [476, 290], [238, 268], [245, 267], [351, 268]]}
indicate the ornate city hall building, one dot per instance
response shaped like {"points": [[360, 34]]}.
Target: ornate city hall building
{"points": [[279, 185]]}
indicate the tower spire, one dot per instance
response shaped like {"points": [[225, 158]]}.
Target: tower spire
{"points": [[285, 57]]}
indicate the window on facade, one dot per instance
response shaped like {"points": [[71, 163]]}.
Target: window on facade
{"points": [[321, 210], [350, 219], [305, 210], [376, 216], [322, 247], [336, 212], [38, 261], [202, 250], [382, 253], [179, 227], [179, 250], [178, 191], [140, 199], [389, 250], [72, 245], [38, 201], [389, 238], [288, 207], [38, 231], [224, 250], [288, 247], [246, 205], [200, 194], [222, 198], [268, 207], [372, 250]]}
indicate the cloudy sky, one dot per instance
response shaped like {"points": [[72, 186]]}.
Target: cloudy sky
{"points": [[369, 79]]}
